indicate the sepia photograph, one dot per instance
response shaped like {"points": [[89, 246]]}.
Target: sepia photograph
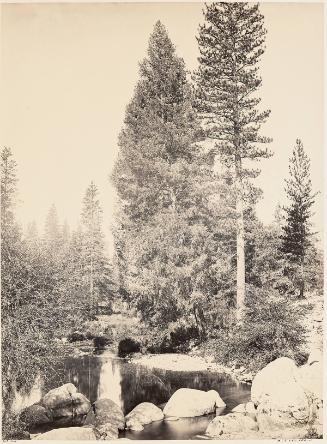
{"points": [[162, 236]]}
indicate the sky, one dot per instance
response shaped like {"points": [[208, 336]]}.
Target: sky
{"points": [[69, 70]]}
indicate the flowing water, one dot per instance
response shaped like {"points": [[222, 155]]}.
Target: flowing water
{"points": [[127, 384]]}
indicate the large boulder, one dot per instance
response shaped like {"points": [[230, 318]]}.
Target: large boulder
{"points": [[247, 409], [67, 407], [310, 377], [68, 434], [231, 424], [107, 419], [35, 415], [187, 402], [280, 399], [79, 405], [59, 397], [143, 414]]}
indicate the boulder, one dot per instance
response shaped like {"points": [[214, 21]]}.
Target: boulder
{"points": [[315, 356], [79, 405], [281, 401], [187, 402], [231, 424], [68, 434], [107, 419], [276, 374], [310, 377], [143, 414], [59, 397], [250, 409], [239, 409], [35, 415]]}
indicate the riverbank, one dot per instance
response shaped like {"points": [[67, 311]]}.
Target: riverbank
{"points": [[190, 362]]}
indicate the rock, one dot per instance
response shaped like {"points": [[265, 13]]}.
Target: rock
{"points": [[35, 415], [79, 405], [59, 397], [68, 434], [315, 356], [275, 374], [127, 346], [171, 418], [250, 409], [143, 414], [108, 419], [281, 400], [310, 377], [187, 402], [231, 424], [239, 409]]}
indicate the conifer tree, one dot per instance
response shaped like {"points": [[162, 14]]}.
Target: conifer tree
{"points": [[296, 232], [13, 265], [159, 176], [95, 262], [157, 141], [231, 43]]}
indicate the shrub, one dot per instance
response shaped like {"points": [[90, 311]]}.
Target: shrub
{"points": [[272, 328], [127, 346], [94, 328], [76, 336], [100, 342]]}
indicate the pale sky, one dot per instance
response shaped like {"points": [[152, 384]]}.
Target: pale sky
{"points": [[69, 70]]}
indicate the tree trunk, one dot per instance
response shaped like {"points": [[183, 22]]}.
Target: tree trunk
{"points": [[240, 275]]}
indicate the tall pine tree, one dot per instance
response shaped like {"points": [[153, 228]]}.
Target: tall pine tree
{"points": [[95, 262], [231, 43]]}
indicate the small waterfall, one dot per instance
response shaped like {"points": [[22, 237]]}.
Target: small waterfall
{"points": [[110, 382]]}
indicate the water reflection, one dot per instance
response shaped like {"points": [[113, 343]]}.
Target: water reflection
{"points": [[105, 376]]}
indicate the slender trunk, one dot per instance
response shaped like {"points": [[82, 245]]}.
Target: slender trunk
{"points": [[240, 275], [91, 284]]}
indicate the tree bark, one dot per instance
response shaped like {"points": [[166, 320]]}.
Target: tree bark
{"points": [[240, 274]]}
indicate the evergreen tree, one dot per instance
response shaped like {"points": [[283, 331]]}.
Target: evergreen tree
{"points": [[231, 44], [160, 175], [296, 232], [52, 234], [95, 263], [13, 270]]}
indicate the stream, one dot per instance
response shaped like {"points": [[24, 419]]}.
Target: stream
{"points": [[106, 376]]}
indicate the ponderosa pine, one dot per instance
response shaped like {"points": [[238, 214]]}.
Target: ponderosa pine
{"points": [[231, 43]]}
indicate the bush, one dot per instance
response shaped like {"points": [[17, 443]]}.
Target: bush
{"points": [[178, 337], [94, 328], [272, 328], [101, 342], [127, 346], [76, 336]]}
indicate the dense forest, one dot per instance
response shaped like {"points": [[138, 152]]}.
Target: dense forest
{"points": [[192, 259]]}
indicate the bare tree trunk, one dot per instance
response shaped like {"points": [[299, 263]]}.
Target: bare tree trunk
{"points": [[240, 275]]}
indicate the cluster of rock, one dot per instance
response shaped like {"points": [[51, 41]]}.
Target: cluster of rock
{"points": [[286, 403]]}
